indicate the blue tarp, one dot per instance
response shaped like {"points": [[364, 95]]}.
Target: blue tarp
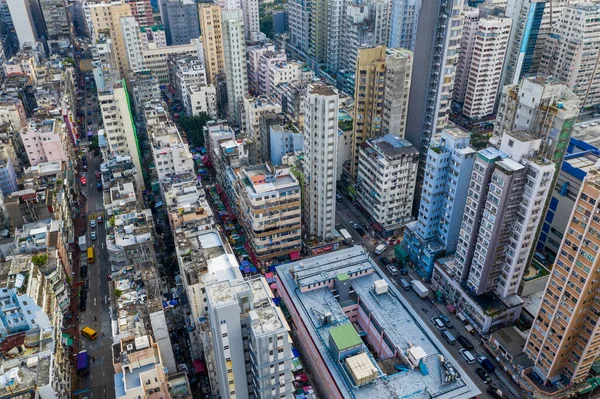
{"points": [[276, 301], [246, 270], [295, 352], [253, 269], [245, 263]]}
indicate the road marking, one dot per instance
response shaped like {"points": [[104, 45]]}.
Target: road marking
{"points": [[102, 245], [103, 374], [91, 376], [94, 301]]}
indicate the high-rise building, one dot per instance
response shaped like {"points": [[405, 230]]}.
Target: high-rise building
{"points": [[43, 142], [253, 110], [563, 340], [276, 234], [180, 19], [234, 50], [298, 27], [317, 31], [385, 181], [545, 108], [106, 18], [482, 53], [133, 43], [368, 96], [142, 12], [58, 26], [448, 173], [572, 52], [121, 135], [403, 30], [532, 21], [156, 59], [249, 349], [436, 56], [398, 75], [336, 16], [253, 56], [212, 40], [320, 164], [251, 20], [22, 20]]}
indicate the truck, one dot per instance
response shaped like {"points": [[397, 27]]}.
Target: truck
{"points": [[82, 244], [347, 236], [83, 362], [495, 392], [420, 289]]}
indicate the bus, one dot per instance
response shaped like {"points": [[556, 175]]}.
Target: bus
{"points": [[89, 333], [90, 252], [83, 363]]}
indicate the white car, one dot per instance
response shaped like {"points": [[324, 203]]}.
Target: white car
{"points": [[93, 223], [354, 224], [93, 235]]}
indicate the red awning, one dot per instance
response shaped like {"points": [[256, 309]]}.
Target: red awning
{"points": [[269, 275], [199, 366], [273, 286], [295, 255], [451, 308]]}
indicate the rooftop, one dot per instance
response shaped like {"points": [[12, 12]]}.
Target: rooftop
{"points": [[322, 89], [260, 179], [308, 280], [588, 131]]}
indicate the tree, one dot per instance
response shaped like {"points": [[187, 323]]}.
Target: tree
{"points": [[94, 146], [117, 292], [266, 25], [192, 127], [39, 260]]}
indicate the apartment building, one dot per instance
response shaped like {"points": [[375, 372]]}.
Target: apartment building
{"points": [[265, 62], [154, 35], [145, 89], [234, 52], [447, 175], [170, 152], [437, 48], [317, 31], [368, 91], [181, 21], [156, 58], [385, 181], [505, 202], [334, 297], [8, 177], [186, 203], [282, 142], [253, 54], [252, 31], [270, 211], [119, 129], [320, 109], [287, 72], [403, 31], [57, 23], [106, 17], [482, 53], [22, 21], [249, 350], [254, 109], [580, 159], [43, 141], [133, 43], [298, 14], [212, 40], [563, 340], [571, 52], [398, 76], [140, 371]]}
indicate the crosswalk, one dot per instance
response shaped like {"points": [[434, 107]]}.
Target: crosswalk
{"points": [[94, 215]]}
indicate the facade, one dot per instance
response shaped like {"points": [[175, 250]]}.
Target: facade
{"points": [[332, 298], [403, 32], [8, 177], [142, 11], [385, 181], [22, 20], [336, 13], [398, 75], [254, 109], [368, 107], [212, 40], [580, 159], [181, 21], [133, 44], [298, 14], [234, 50], [434, 69], [253, 56], [482, 54], [572, 51], [106, 17], [563, 341], [265, 62], [276, 233], [320, 145], [56, 19], [282, 142], [156, 58], [448, 173], [200, 99], [259, 328], [43, 141], [252, 31], [121, 135], [317, 31]]}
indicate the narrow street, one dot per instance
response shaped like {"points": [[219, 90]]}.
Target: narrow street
{"points": [[99, 383]]}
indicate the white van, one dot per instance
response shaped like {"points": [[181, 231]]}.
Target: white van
{"points": [[467, 356], [438, 323], [380, 248]]}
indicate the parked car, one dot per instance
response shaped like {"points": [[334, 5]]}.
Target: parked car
{"points": [[354, 224], [98, 174], [93, 235], [392, 269], [360, 231], [486, 364], [83, 180], [100, 219], [437, 323], [93, 223], [339, 198], [99, 186], [403, 272], [83, 271], [85, 168], [89, 112], [483, 375], [82, 306], [465, 342], [385, 261], [446, 321], [89, 122]]}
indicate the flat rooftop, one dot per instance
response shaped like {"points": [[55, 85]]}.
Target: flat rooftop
{"points": [[588, 131], [392, 146], [306, 283]]}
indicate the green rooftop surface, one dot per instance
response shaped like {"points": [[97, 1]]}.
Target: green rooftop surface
{"points": [[343, 277], [345, 336]]}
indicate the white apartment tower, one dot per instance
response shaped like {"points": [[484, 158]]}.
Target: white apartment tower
{"points": [[398, 75], [133, 43], [22, 21], [320, 162], [336, 10], [234, 49], [482, 53], [251, 20], [403, 30], [572, 52]]}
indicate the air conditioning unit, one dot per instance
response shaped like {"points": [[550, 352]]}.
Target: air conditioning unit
{"points": [[130, 348]]}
